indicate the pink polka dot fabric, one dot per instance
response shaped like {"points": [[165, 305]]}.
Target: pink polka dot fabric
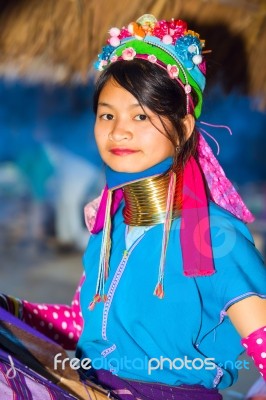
{"points": [[255, 345], [60, 322]]}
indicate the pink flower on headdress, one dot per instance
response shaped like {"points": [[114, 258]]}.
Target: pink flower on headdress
{"points": [[152, 58], [102, 64], [114, 41], [167, 39], [113, 59], [114, 32], [173, 71], [128, 54], [187, 88]]}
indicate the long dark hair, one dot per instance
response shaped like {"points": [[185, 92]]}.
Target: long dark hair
{"points": [[154, 89]]}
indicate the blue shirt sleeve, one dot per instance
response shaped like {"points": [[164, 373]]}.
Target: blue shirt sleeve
{"points": [[240, 270]]}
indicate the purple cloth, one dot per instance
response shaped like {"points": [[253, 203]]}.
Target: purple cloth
{"points": [[19, 382], [133, 390]]}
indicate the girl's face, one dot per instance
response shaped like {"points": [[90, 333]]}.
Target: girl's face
{"points": [[129, 138]]}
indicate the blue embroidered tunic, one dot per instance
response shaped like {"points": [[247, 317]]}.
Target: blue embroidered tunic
{"points": [[185, 338]]}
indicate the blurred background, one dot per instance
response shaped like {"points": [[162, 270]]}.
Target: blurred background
{"points": [[49, 164]]}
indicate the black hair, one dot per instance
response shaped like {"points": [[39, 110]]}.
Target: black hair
{"points": [[154, 89]]}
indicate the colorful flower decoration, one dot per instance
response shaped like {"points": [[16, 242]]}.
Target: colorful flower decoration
{"points": [[128, 54], [174, 33], [136, 30], [173, 28], [102, 64], [152, 58], [167, 43], [107, 51], [188, 49], [113, 58], [114, 39], [173, 71], [187, 88]]}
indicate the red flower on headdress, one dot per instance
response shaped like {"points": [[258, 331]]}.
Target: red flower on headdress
{"points": [[173, 28], [177, 28], [124, 33], [161, 29]]}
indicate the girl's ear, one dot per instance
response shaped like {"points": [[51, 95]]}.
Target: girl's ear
{"points": [[189, 125]]}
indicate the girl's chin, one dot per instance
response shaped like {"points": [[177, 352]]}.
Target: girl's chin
{"points": [[126, 170], [127, 167], [131, 167]]}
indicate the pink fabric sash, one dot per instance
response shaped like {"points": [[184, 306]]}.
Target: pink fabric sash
{"points": [[195, 235]]}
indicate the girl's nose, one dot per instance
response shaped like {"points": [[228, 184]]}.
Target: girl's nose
{"points": [[119, 133]]}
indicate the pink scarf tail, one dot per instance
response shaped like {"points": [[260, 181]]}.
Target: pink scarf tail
{"points": [[195, 235], [95, 211]]}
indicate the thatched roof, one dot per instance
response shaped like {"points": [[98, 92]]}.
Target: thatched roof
{"points": [[58, 39]]}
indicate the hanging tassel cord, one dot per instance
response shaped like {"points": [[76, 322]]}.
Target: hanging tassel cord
{"points": [[104, 256], [214, 126], [159, 289]]}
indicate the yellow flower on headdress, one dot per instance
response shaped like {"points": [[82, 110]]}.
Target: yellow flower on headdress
{"points": [[136, 30], [147, 21], [193, 33]]}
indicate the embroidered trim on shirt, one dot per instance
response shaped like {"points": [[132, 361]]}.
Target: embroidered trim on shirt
{"points": [[113, 287], [108, 351]]}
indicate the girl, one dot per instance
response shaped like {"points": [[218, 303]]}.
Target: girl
{"points": [[172, 279]]}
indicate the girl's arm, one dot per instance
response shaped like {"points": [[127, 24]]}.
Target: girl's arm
{"points": [[248, 314], [249, 318], [62, 323]]}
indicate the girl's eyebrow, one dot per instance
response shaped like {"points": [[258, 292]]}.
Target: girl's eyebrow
{"points": [[103, 104]]}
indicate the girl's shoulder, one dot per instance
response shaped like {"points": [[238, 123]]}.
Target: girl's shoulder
{"points": [[227, 223], [239, 266], [232, 240], [90, 212]]}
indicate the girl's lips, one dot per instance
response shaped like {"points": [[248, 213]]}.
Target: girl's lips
{"points": [[122, 152]]}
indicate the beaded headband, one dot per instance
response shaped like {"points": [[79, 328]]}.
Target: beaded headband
{"points": [[168, 44]]}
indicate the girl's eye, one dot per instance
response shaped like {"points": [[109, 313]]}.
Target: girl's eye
{"points": [[141, 117], [107, 117]]}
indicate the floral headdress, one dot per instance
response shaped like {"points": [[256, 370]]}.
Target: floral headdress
{"points": [[169, 44]]}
